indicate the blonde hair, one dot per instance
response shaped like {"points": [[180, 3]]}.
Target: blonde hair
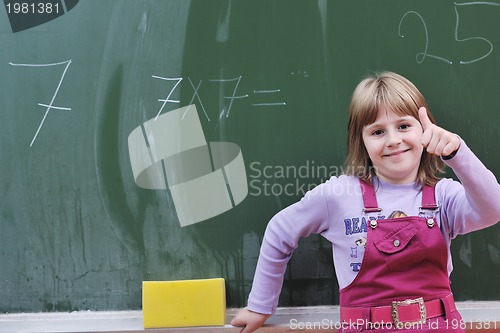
{"points": [[399, 95]]}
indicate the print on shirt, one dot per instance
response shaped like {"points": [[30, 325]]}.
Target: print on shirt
{"points": [[356, 266], [396, 214], [353, 227], [354, 252], [359, 242], [357, 225]]}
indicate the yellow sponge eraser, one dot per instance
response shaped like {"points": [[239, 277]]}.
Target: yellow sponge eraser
{"points": [[184, 303]]}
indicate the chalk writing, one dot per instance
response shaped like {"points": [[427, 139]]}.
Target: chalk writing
{"points": [[195, 94], [232, 96], [267, 92], [472, 38], [300, 73], [49, 106], [165, 101], [420, 56]]}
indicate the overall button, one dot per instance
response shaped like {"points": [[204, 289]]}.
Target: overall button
{"points": [[397, 243], [430, 223], [373, 224]]}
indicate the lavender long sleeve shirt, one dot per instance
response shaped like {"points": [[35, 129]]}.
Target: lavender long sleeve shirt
{"points": [[334, 210]]}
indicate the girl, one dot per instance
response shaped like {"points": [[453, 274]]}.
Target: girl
{"points": [[392, 208]]}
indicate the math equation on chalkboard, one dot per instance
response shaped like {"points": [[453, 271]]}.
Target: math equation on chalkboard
{"points": [[410, 26], [259, 98]]}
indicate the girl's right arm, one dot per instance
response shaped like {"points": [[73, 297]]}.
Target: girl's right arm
{"points": [[250, 320], [308, 216]]}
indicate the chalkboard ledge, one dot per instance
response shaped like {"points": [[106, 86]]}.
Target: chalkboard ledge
{"points": [[476, 314]]}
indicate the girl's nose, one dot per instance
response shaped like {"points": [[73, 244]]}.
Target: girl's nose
{"points": [[393, 138]]}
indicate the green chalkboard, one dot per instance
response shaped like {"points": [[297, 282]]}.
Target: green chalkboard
{"points": [[271, 77]]}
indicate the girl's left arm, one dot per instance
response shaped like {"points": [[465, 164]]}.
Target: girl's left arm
{"points": [[474, 203]]}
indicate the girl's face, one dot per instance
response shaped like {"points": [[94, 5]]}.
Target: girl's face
{"points": [[394, 145]]}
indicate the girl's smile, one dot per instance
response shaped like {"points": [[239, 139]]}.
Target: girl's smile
{"points": [[397, 153], [394, 145]]}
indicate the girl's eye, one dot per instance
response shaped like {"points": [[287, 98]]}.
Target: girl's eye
{"points": [[404, 126], [377, 132]]}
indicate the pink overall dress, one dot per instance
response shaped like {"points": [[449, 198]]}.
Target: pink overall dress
{"points": [[403, 283]]}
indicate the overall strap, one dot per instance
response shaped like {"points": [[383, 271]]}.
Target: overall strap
{"points": [[428, 198], [370, 199]]}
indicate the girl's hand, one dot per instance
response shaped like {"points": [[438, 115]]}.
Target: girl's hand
{"points": [[249, 319], [435, 139]]}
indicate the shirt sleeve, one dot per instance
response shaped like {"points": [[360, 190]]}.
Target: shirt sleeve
{"points": [[308, 216], [473, 203]]}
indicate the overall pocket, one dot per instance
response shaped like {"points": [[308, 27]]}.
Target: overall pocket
{"points": [[401, 247]]}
